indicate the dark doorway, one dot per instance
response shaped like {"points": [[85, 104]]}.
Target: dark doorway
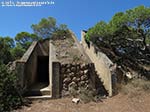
{"points": [[41, 86], [43, 69]]}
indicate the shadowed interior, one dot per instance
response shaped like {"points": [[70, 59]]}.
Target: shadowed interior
{"points": [[42, 69]]}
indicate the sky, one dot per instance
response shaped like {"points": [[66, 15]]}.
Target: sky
{"points": [[77, 14]]}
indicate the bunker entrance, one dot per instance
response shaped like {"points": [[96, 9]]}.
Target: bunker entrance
{"points": [[41, 86], [43, 69]]}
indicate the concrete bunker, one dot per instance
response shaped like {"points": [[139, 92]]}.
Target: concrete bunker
{"points": [[40, 69]]}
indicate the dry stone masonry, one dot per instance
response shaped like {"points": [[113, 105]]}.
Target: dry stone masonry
{"points": [[78, 76]]}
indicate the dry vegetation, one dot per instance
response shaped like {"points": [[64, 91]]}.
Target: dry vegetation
{"points": [[132, 97], [135, 87], [118, 103]]}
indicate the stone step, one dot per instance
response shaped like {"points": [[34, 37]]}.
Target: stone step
{"points": [[38, 92], [45, 97], [45, 91], [39, 89]]}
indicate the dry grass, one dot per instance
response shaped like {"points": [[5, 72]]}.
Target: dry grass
{"points": [[135, 87], [134, 101]]}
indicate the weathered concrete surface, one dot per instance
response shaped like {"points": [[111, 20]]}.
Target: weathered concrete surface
{"points": [[43, 48], [69, 50], [28, 53], [56, 81], [20, 74], [54, 72], [80, 48], [101, 62], [25, 74]]}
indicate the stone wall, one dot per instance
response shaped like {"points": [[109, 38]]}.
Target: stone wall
{"points": [[77, 76], [101, 61]]}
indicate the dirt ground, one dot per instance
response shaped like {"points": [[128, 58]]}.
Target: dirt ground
{"points": [[119, 103]]}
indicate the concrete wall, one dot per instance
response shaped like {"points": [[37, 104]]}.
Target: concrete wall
{"points": [[54, 72], [101, 62], [80, 48], [56, 80], [25, 73], [20, 74], [31, 69], [43, 48]]}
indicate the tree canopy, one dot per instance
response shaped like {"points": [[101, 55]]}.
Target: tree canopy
{"points": [[133, 24], [125, 38], [25, 39], [6, 44], [46, 27]]}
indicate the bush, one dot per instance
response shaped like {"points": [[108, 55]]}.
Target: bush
{"points": [[10, 97], [87, 95], [61, 34], [141, 84]]}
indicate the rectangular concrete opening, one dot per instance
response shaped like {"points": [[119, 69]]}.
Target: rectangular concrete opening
{"points": [[41, 86]]}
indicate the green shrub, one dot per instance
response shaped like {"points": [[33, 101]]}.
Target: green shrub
{"points": [[10, 97]]}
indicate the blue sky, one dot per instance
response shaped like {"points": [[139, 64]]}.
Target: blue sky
{"points": [[77, 14]]}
